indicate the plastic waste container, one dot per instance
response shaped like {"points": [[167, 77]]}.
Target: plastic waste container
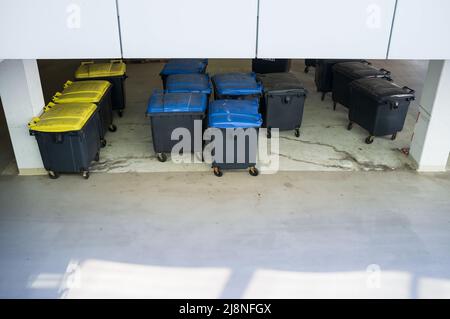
{"points": [[189, 83], [238, 122], [114, 72], [379, 106], [169, 111], [68, 137], [183, 66], [98, 92], [236, 86], [283, 102], [345, 73], [271, 65]]}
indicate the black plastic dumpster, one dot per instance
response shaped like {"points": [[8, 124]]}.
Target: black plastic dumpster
{"points": [[98, 92], [68, 138], [183, 66], [345, 73], [169, 111], [236, 86], [283, 102], [379, 106], [189, 83], [114, 72], [271, 65], [236, 122]]}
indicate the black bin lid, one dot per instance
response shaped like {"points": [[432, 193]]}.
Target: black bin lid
{"points": [[382, 90], [281, 82], [358, 70]]}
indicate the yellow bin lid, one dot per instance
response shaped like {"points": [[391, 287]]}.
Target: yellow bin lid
{"points": [[63, 118], [89, 70], [82, 92]]}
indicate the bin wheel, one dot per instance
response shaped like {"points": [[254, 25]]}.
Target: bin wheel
{"points": [[253, 171], [297, 132], [350, 126], [334, 106], [369, 139], [307, 70], [269, 133], [53, 175], [112, 128], [85, 174], [120, 113], [217, 171], [97, 157], [103, 142], [323, 96], [162, 157], [394, 137]]}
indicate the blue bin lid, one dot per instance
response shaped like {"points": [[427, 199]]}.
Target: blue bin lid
{"points": [[234, 114], [161, 102], [186, 83], [184, 66], [237, 84]]}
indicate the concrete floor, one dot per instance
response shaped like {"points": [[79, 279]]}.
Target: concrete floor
{"points": [[325, 144], [192, 235]]}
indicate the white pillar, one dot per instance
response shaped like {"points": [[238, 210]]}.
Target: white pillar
{"points": [[21, 93], [430, 147]]}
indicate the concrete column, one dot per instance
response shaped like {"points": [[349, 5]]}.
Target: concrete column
{"points": [[21, 93], [430, 147]]}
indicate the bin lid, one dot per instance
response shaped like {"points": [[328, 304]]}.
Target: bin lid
{"points": [[234, 114], [184, 66], [63, 118], [237, 84], [273, 82], [89, 70], [358, 70], [161, 102], [185, 83], [382, 90], [82, 92]]}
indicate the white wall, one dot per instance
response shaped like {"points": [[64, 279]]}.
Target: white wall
{"points": [[421, 30], [325, 28], [31, 29], [194, 28]]}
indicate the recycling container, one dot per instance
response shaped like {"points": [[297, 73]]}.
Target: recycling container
{"points": [[271, 65], [310, 63], [189, 83], [379, 106], [236, 86], [345, 73], [169, 111], [282, 102], [236, 123], [114, 72], [324, 75], [94, 91], [183, 66], [68, 137]]}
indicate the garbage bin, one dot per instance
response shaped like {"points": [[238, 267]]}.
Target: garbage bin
{"points": [[310, 63], [271, 65], [324, 75], [169, 111], [68, 137], [236, 123], [189, 83], [183, 66], [345, 73], [283, 102], [98, 92], [114, 72], [236, 86], [379, 106]]}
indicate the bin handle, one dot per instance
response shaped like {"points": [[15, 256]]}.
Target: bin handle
{"points": [[409, 90], [387, 72]]}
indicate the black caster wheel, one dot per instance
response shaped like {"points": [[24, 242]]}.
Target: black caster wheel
{"points": [[217, 172], [112, 128], [120, 113], [323, 96], [85, 174], [369, 140], [103, 143], [394, 137], [269, 133], [349, 126], [97, 157], [53, 175], [162, 157], [307, 70], [334, 106], [253, 171], [297, 132]]}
